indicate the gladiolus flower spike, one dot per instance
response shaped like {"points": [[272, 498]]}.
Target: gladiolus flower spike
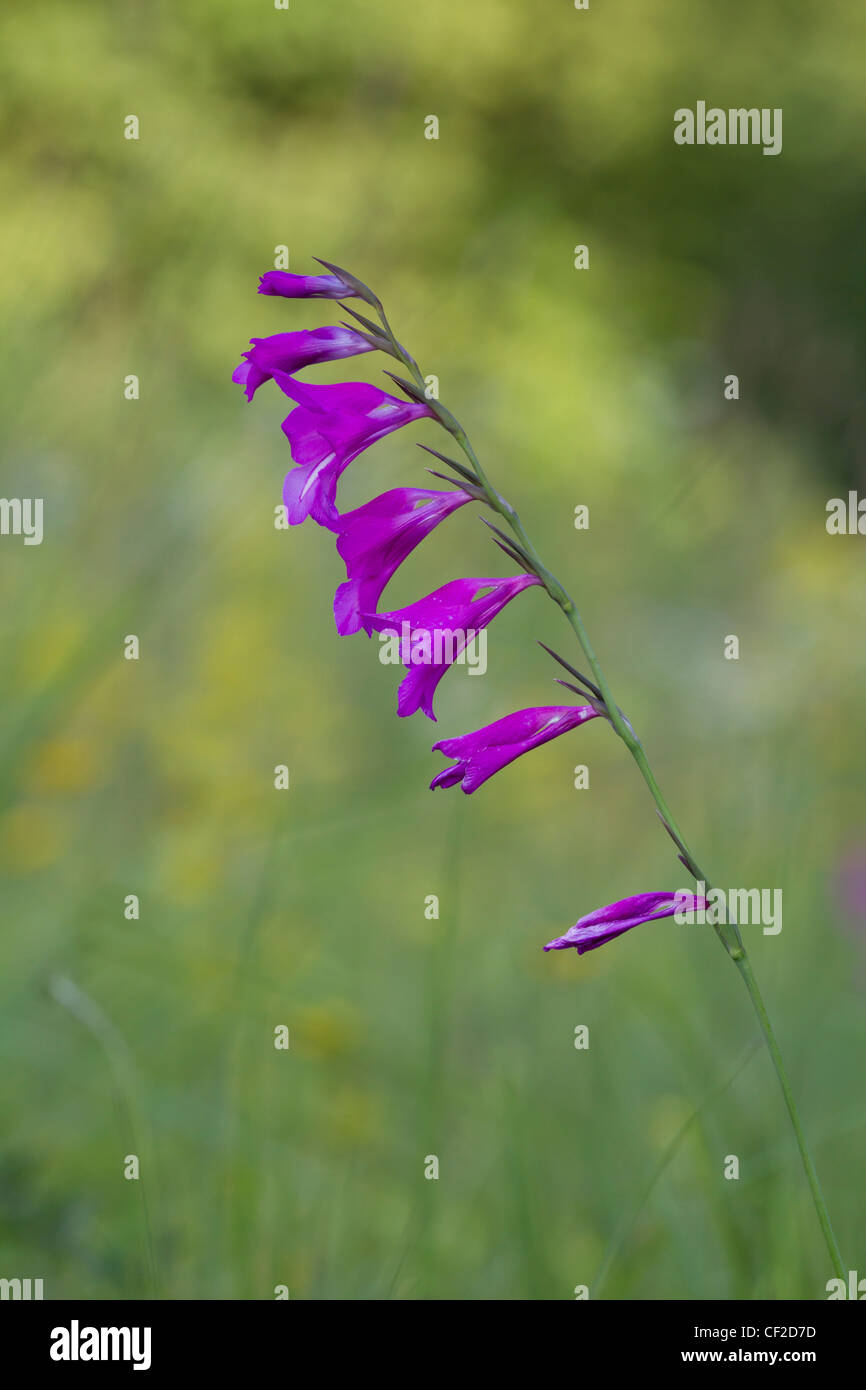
{"points": [[329, 428]]}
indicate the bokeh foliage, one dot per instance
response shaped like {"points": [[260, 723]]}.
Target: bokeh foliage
{"points": [[604, 387]]}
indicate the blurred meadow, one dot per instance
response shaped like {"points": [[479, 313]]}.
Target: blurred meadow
{"points": [[413, 1037]]}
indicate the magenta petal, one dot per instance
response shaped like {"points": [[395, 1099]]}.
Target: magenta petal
{"points": [[448, 777], [486, 751], [329, 428], [280, 282], [375, 539], [311, 490], [605, 923], [290, 352], [447, 618]]}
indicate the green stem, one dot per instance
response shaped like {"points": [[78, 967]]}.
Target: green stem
{"points": [[745, 968], [727, 932]]}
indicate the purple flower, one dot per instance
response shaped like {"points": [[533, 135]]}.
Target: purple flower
{"points": [[433, 632], [289, 352], [480, 754], [375, 539], [330, 427], [850, 883], [607, 922], [305, 286]]}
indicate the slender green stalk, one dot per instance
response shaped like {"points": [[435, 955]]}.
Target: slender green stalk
{"points": [[728, 932], [627, 1223], [745, 968], [71, 997]]}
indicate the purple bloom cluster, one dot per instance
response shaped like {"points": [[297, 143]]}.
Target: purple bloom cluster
{"points": [[328, 428]]}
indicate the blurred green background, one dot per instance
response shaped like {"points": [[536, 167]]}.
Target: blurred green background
{"points": [[412, 1037]]}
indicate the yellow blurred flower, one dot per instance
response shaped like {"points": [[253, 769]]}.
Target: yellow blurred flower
{"points": [[30, 838], [64, 765], [327, 1030], [354, 1117]]}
